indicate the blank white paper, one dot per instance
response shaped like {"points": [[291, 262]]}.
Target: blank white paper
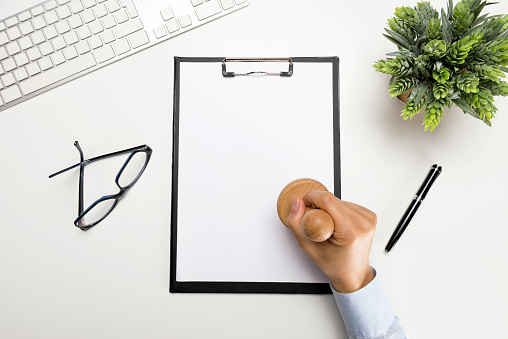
{"points": [[241, 140]]}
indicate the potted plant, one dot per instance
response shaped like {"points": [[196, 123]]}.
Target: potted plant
{"points": [[453, 57]]}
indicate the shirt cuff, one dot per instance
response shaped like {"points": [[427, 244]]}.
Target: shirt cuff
{"points": [[367, 312]]}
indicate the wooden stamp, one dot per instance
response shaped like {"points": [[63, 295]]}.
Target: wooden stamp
{"points": [[317, 224]]}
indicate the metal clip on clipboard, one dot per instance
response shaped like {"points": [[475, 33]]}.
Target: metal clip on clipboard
{"points": [[282, 73]]}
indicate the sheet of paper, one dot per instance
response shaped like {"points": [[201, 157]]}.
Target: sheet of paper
{"points": [[241, 140]]}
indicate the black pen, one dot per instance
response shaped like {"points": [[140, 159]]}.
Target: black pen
{"points": [[435, 170]]}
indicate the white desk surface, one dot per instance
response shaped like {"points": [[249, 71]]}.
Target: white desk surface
{"points": [[446, 278]]}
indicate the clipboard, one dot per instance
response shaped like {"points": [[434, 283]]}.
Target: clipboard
{"points": [[242, 129]]}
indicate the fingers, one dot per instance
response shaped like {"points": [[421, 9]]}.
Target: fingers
{"points": [[351, 221], [326, 201], [344, 228], [367, 214], [295, 216]]}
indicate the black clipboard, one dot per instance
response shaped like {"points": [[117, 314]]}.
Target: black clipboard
{"points": [[204, 91]]}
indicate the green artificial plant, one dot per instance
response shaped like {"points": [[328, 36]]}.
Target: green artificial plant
{"points": [[453, 57]]}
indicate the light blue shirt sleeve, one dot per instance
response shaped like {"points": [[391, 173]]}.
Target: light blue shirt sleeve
{"points": [[367, 313]]}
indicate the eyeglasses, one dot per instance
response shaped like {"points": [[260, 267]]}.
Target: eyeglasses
{"points": [[128, 175]]}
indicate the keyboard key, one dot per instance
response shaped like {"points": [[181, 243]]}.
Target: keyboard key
{"points": [[71, 38], [3, 38], [38, 22], [104, 53], [159, 31], [10, 94], [196, 2], [128, 28], [113, 6], [45, 63], [167, 14], [100, 11], [207, 10], [11, 21], [33, 69], [63, 27], [58, 43], [26, 28], [46, 48], [96, 27], [8, 79], [131, 9], [121, 16], [12, 48], [227, 4], [37, 37], [75, 21], [24, 16], [172, 26], [21, 60], [57, 58], [185, 20], [84, 32], [121, 47], [70, 52], [82, 47], [76, 6], [88, 16], [138, 39], [50, 32], [50, 5], [13, 33], [20, 74], [109, 22], [9, 64], [25, 43], [37, 10], [95, 42], [108, 37], [89, 3], [3, 53], [33, 53], [51, 17], [64, 12]]}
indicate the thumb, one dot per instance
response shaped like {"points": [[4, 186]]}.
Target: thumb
{"points": [[294, 221]]}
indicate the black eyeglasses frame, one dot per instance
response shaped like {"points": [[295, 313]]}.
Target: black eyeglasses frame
{"points": [[123, 189]]}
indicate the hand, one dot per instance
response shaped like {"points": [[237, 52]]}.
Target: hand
{"points": [[344, 257]]}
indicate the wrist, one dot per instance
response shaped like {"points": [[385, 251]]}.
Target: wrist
{"points": [[351, 282]]}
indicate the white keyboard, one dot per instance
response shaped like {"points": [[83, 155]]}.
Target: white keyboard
{"points": [[60, 40]]}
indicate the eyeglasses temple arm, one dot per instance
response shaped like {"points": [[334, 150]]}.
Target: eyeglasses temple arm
{"points": [[81, 178], [65, 170], [97, 158]]}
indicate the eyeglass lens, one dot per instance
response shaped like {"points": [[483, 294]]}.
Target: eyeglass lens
{"points": [[133, 169], [97, 212]]}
